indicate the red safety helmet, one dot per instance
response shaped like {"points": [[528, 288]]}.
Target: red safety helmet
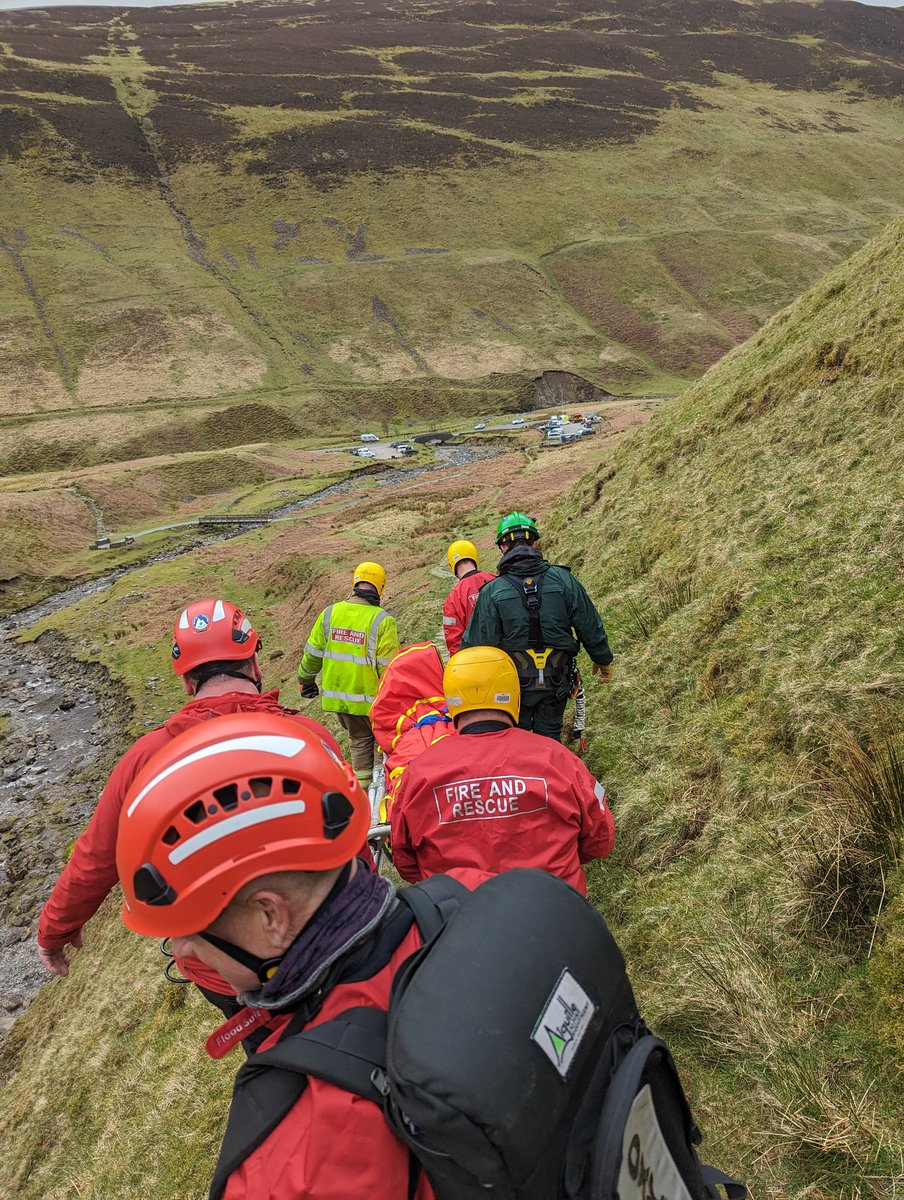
{"points": [[212, 631], [223, 803]]}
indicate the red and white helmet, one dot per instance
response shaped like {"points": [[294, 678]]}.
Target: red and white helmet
{"points": [[224, 803], [212, 631]]}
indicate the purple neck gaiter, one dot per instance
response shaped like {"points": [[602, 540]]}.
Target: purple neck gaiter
{"points": [[343, 921]]}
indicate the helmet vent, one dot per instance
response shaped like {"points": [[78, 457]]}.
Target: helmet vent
{"points": [[337, 812], [291, 787], [228, 796], [196, 813], [261, 787], [171, 836]]}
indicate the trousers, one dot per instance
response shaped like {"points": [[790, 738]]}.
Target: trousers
{"points": [[363, 746]]}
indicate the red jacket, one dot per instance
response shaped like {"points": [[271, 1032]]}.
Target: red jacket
{"points": [[459, 606], [497, 801], [332, 1145], [91, 873]]}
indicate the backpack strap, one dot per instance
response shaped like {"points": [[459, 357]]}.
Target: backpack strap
{"points": [[529, 592], [714, 1179], [433, 902], [677, 1125], [349, 1051]]}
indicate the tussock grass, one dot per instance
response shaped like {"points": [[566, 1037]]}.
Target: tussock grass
{"points": [[745, 549]]}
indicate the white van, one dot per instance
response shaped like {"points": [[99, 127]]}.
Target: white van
{"points": [[369, 437]]}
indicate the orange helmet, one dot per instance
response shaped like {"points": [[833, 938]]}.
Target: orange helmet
{"points": [[225, 802], [212, 631]]}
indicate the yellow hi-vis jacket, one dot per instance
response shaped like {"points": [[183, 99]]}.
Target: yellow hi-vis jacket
{"points": [[351, 644]]}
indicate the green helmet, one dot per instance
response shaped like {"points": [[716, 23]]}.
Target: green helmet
{"points": [[515, 527]]}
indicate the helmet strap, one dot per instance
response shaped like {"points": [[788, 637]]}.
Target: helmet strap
{"points": [[266, 968], [368, 593], [263, 968]]}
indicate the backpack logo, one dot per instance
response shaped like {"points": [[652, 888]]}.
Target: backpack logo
{"points": [[561, 1026]]}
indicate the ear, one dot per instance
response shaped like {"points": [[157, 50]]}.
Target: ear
{"points": [[256, 673], [187, 686], [273, 917]]}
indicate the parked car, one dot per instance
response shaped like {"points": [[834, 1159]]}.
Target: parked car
{"points": [[363, 452], [480, 425], [369, 437], [406, 450], [518, 421]]}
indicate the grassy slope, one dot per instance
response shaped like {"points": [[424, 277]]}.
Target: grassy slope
{"points": [[747, 547], [107, 1091], [618, 204]]}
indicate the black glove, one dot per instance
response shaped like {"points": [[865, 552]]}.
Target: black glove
{"points": [[309, 690]]}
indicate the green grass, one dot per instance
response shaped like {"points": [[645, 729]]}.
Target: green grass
{"points": [[746, 551], [632, 263]]}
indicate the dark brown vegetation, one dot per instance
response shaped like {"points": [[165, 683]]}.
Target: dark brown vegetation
{"points": [[469, 60]]}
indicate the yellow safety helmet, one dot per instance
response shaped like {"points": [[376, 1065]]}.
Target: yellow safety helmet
{"points": [[459, 550], [482, 677], [370, 572]]}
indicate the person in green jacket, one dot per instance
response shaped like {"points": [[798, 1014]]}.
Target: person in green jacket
{"points": [[540, 615], [350, 647]]}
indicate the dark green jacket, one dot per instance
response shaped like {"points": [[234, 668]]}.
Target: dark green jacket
{"points": [[568, 619]]}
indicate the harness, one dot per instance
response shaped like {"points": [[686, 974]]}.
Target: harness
{"points": [[540, 668]]}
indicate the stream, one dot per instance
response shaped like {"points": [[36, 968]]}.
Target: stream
{"points": [[62, 728]]}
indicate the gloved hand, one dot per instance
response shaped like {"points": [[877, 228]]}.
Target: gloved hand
{"points": [[309, 689], [604, 673]]}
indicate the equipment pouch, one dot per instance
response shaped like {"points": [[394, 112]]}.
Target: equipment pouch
{"points": [[547, 671]]}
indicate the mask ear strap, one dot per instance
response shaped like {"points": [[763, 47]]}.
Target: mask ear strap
{"points": [[263, 968]]}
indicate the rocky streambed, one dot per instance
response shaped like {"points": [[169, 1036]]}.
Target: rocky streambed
{"points": [[62, 726], [56, 718]]}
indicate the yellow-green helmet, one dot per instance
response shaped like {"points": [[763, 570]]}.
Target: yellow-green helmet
{"points": [[481, 677], [370, 572]]}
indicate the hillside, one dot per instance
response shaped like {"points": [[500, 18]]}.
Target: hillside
{"points": [[746, 549], [747, 546], [342, 211]]}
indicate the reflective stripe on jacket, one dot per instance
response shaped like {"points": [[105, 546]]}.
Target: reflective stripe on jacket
{"points": [[459, 606], [499, 800], [349, 647]]}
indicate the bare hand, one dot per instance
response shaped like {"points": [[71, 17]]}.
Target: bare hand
{"points": [[604, 673], [56, 961]]}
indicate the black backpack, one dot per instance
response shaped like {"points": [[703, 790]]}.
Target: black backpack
{"points": [[512, 1062]]}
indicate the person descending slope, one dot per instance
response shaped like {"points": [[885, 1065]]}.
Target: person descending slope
{"points": [[215, 653], [541, 616], [268, 892], [496, 797], [350, 646], [459, 605], [506, 1058]]}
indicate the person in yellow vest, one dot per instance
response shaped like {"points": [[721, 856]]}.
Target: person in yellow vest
{"points": [[350, 647]]}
